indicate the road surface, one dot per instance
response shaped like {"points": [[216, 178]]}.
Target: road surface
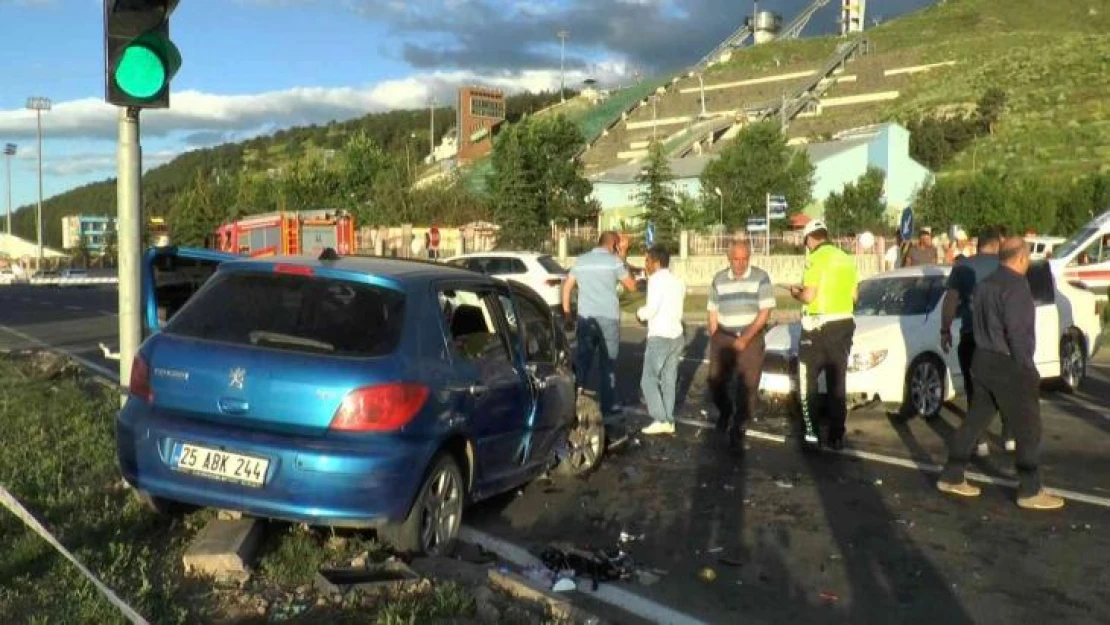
{"points": [[790, 537]]}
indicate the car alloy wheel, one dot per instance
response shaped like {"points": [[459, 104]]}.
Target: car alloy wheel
{"points": [[1073, 363], [585, 441], [440, 509], [926, 386]]}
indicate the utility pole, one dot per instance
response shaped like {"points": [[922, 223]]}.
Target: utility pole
{"points": [[38, 105], [9, 152], [432, 130], [562, 34], [701, 90], [129, 239]]}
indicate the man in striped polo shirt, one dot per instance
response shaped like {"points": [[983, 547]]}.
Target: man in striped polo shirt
{"points": [[741, 299]]}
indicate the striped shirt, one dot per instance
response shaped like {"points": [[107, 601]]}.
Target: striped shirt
{"points": [[739, 299]]}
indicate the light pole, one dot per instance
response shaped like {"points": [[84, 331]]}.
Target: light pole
{"points": [[38, 105], [9, 152], [562, 34], [654, 125], [701, 90], [717, 190], [432, 131]]}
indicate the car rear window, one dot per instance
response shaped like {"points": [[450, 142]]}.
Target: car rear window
{"points": [[294, 313], [551, 265]]}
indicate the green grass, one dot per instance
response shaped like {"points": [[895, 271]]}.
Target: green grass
{"points": [[57, 456], [1050, 57]]}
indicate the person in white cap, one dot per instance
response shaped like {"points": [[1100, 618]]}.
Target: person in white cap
{"points": [[828, 294]]}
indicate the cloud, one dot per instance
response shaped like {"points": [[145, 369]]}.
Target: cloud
{"points": [[658, 35], [84, 163]]}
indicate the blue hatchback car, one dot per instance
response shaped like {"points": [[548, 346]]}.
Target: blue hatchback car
{"points": [[357, 392]]}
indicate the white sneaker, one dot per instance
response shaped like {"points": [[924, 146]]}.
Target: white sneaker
{"points": [[983, 450], [658, 428], [1011, 444]]}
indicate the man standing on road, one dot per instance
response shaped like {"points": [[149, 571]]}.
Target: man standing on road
{"points": [[828, 296], [968, 272], [597, 273], [741, 299], [924, 252], [1006, 379], [666, 298]]}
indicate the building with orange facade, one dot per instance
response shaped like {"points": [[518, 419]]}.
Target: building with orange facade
{"points": [[479, 112]]}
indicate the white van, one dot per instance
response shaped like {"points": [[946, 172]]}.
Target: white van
{"points": [[1084, 259], [1042, 247]]}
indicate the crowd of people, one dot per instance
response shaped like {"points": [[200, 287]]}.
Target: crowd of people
{"points": [[986, 290]]}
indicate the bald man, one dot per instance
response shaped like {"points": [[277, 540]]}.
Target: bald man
{"points": [[1005, 378]]}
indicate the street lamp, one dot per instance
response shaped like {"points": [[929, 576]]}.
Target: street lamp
{"points": [[717, 190], [562, 35], [9, 152], [38, 105], [701, 90]]}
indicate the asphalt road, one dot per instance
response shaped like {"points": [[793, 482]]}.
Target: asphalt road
{"points": [[790, 537]]}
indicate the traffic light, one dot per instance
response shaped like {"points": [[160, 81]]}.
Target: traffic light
{"points": [[139, 58]]}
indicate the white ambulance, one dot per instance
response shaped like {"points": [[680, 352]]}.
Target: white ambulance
{"points": [[1084, 259]]}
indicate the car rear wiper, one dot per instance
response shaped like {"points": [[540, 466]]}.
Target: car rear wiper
{"points": [[259, 336]]}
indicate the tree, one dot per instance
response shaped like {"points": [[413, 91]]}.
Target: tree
{"points": [[989, 109], [198, 211], [859, 206], [657, 196], [536, 179], [758, 162]]}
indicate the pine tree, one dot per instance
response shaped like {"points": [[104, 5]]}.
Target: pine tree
{"points": [[657, 196]]}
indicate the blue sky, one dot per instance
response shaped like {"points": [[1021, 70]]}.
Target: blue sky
{"points": [[253, 66]]}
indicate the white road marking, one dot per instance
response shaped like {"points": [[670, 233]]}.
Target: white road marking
{"points": [[84, 362], [74, 308], [25, 299], [107, 313], [1095, 500], [613, 595]]}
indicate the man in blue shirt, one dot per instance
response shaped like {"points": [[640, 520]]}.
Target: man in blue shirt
{"points": [[966, 274], [596, 274]]}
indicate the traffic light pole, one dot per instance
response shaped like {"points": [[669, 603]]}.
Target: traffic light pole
{"points": [[129, 225]]}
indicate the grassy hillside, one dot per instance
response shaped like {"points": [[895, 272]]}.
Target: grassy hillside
{"points": [[1051, 58]]}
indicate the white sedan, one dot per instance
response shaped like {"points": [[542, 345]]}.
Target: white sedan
{"points": [[896, 355], [541, 272]]}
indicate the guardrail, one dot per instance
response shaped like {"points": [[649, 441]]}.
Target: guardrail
{"points": [[62, 282]]}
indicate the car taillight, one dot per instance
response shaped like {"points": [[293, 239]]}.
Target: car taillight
{"points": [[381, 408], [294, 270], [139, 386]]}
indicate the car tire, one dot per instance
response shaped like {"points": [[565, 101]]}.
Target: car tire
{"points": [[433, 522], [1073, 363], [585, 441], [925, 387]]}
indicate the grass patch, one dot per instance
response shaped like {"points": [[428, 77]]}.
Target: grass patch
{"points": [[57, 456]]}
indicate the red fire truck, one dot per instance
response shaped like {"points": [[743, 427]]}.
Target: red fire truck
{"points": [[289, 233]]}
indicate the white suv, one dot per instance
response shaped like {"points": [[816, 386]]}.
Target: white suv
{"points": [[541, 272]]}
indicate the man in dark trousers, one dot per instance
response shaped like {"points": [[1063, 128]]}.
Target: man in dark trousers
{"points": [[1005, 378], [828, 294], [968, 272]]}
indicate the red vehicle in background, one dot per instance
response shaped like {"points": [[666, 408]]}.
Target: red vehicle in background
{"points": [[288, 233]]}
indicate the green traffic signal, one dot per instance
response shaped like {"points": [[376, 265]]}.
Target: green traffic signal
{"points": [[146, 66]]}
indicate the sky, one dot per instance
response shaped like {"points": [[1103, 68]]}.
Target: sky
{"points": [[255, 66]]}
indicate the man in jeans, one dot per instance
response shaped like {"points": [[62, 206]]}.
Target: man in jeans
{"points": [[968, 272], [666, 298], [741, 299], [596, 274], [1005, 378]]}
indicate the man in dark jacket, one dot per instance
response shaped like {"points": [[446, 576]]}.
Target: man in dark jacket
{"points": [[1005, 378]]}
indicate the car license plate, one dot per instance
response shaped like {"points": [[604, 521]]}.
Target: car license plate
{"points": [[221, 465]]}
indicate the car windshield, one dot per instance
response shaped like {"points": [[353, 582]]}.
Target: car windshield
{"points": [[1081, 238], [551, 265], [295, 313], [913, 295]]}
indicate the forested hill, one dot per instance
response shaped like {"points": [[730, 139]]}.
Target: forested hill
{"points": [[394, 131]]}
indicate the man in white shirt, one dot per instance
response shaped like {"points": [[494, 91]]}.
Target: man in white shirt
{"points": [[666, 296]]}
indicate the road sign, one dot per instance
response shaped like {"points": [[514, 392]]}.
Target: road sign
{"points": [[905, 224], [776, 206], [757, 224]]}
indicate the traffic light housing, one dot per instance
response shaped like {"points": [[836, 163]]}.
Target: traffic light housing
{"points": [[139, 58]]}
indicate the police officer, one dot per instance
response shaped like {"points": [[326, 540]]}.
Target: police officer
{"points": [[828, 295]]}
